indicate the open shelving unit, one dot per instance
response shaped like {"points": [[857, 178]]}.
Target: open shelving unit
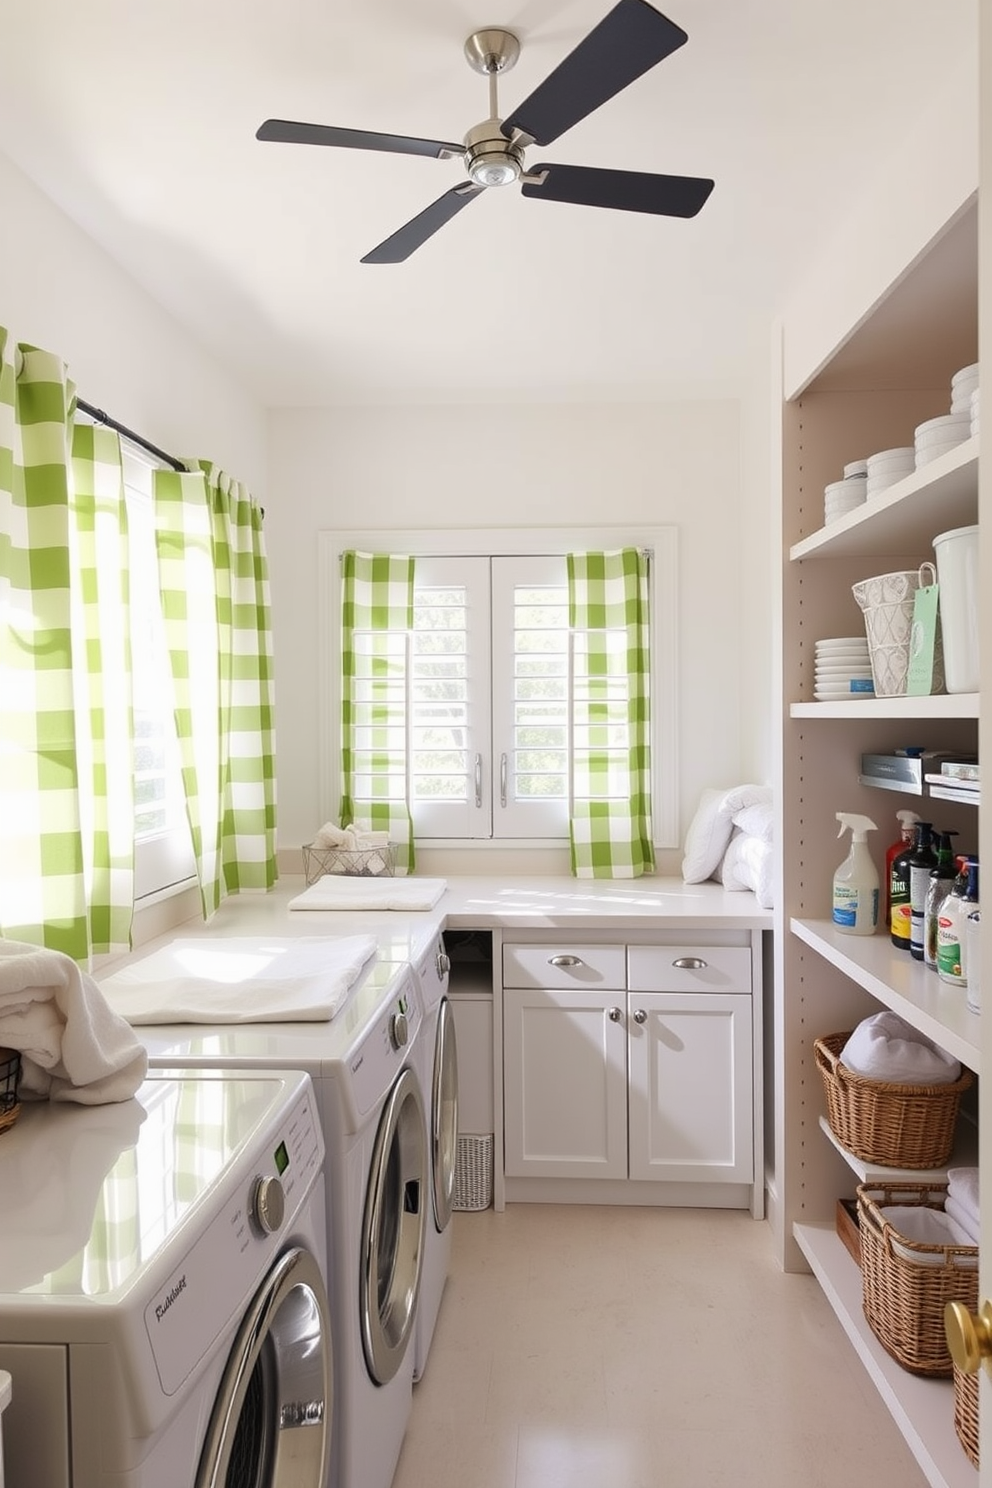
{"points": [[866, 397]]}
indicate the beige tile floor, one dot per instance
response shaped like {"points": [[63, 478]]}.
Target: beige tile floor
{"points": [[640, 1348]]}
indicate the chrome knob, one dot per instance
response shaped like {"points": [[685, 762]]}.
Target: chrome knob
{"points": [[399, 1030], [614, 1015], [268, 1205], [640, 1016]]}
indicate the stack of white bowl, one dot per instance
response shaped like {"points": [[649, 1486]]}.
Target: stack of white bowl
{"points": [[938, 435], [963, 384], [842, 496], [889, 466], [843, 669]]}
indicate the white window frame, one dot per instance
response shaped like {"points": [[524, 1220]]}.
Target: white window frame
{"points": [[661, 542]]}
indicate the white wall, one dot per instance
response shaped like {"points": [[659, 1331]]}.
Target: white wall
{"points": [[547, 465], [126, 355]]}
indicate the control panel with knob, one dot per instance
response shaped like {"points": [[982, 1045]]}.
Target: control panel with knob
{"points": [[399, 1029], [267, 1207]]}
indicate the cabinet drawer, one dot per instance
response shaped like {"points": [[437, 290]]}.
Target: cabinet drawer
{"points": [[564, 965], [657, 969]]}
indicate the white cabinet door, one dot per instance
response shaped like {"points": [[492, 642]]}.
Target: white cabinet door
{"points": [[690, 1087], [565, 1083]]}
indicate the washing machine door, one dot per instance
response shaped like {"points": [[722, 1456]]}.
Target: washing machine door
{"points": [[393, 1230], [271, 1422], [444, 1116]]}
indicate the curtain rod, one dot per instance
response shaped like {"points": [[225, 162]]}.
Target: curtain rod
{"points": [[153, 449]]}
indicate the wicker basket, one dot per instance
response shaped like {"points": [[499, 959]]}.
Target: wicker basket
{"points": [[906, 1283], [966, 1412], [899, 1126], [10, 1074]]}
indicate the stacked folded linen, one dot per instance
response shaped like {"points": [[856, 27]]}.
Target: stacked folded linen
{"points": [[885, 1047], [961, 1204], [338, 891], [73, 1046], [244, 979]]}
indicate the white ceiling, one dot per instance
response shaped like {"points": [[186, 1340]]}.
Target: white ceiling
{"points": [[138, 117]]}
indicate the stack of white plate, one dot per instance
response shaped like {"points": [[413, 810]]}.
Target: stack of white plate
{"points": [[842, 496], [843, 669], [889, 466], [938, 435], [963, 384], [856, 467], [974, 411]]}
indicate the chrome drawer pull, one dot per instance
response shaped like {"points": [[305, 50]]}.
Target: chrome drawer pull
{"points": [[564, 960], [689, 963]]}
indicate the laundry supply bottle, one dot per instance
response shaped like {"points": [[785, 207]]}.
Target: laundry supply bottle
{"points": [[973, 960], [941, 879], [921, 861], [952, 920], [896, 887], [855, 909]]}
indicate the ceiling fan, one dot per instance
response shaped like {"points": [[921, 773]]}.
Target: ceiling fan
{"points": [[632, 38]]}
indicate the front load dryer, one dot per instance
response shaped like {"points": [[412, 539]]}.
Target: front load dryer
{"points": [[364, 1064], [439, 1074], [163, 1307]]}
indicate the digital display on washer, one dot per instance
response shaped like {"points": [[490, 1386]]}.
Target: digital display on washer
{"points": [[281, 1158]]}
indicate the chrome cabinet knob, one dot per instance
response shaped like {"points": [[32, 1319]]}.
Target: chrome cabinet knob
{"points": [[640, 1016], [614, 1015], [268, 1205]]}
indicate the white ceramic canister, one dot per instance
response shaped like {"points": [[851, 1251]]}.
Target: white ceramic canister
{"points": [[973, 959], [957, 575]]}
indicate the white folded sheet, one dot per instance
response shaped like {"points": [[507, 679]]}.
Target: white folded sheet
{"points": [[963, 1217], [73, 1046], [885, 1047], [339, 891], [962, 1185], [244, 979]]}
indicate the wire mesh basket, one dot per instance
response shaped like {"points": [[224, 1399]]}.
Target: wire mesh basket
{"points": [[358, 862], [10, 1074]]}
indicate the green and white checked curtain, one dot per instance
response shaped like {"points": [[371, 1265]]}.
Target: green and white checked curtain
{"points": [[377, 624], [66, 823], [215, 600], [610, 825]]}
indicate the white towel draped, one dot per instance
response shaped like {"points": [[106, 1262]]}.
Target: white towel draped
{"points": [[339, 891], [241, 979], [73, 1046]]}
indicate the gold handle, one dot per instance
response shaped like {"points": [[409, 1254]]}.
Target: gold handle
{"points": [[969, 1338]]}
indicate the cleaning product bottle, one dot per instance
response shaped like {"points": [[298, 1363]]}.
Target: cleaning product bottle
{"points": [[896, 885], [938, 888], [973, 960], [951, 921], [856, 880], [921, 860]]}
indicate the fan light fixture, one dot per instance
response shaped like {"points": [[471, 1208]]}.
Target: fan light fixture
{"points": [[490, 158]]}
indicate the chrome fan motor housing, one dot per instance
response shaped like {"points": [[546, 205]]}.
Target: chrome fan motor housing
{"points": [[490, 158]]}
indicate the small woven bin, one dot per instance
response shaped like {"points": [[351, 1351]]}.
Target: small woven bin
{"points": [[906, 1284], [10, 1074], [966, 1412], [899, 1126]]}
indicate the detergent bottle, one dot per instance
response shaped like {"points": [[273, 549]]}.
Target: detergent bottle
{"points": [[921, 862], [856, 880], [896, 885], [941, 879], [952, 919]]}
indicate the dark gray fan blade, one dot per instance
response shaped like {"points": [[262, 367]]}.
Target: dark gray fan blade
{"points": [[629, 40], [424, 226], [286, 132], [626, 191]]}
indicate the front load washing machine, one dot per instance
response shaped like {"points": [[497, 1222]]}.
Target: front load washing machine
{"points": [[163, 1307], [439, 1075], [363, 1064]]}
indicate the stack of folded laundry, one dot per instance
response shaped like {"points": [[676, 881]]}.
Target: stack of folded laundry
{"points": [[961, 1204]]}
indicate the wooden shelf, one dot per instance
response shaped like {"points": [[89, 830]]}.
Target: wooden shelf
{"points": [[908, 516], [944, 705], [923, 1409], [900, 983], [965, 1155]]}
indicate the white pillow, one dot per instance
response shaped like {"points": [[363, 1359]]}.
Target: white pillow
{"points": [[757, 820], [748, 864], [711, 827], [707, 837]]}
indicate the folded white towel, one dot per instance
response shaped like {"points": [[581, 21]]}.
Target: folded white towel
{"points": [[885, 1047], [73, 1046], [964, 1217], [962, 1186], [330, 835], [925, 1226], [245, 979], [339, 891]]}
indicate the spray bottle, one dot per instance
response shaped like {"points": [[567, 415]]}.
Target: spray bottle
{"points": [[856, 880], [896, 886]]}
